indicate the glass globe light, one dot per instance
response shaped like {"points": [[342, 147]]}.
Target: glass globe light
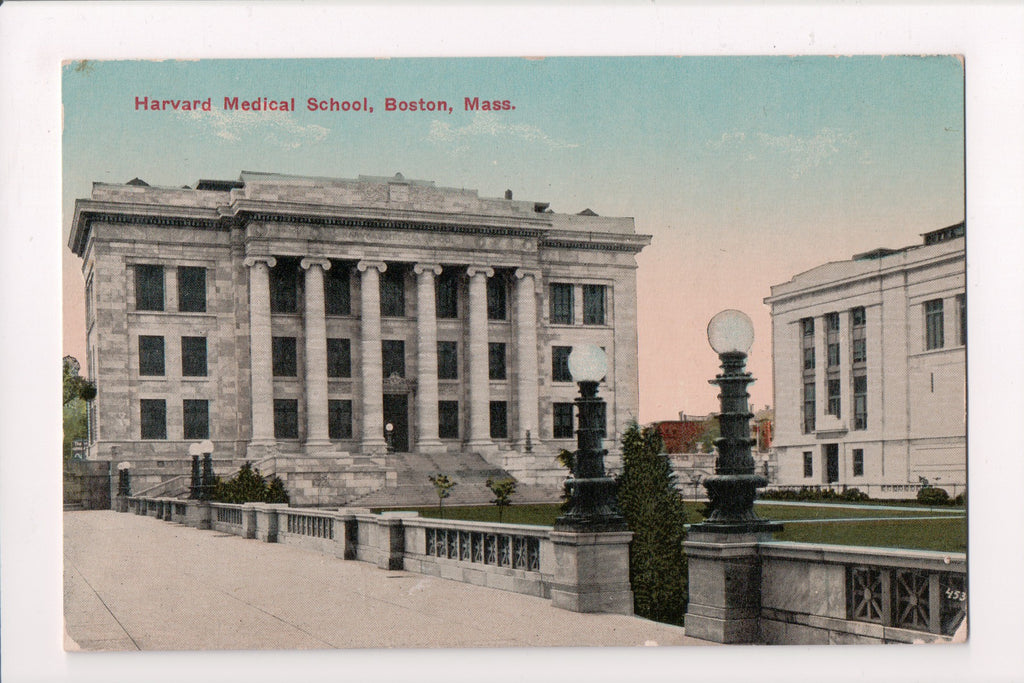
{"points": [[587, 363], [730, 331]]}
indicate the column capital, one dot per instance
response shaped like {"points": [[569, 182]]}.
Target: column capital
{"points": [[380, 266], [421, 268], [309, 261], [250, 261], [528, 272], [480, 270]]}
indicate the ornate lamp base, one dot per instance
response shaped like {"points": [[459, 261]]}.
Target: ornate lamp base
{"points": [[732, 505]]}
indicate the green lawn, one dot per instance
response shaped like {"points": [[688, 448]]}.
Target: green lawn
{"points": [[925, 534]]}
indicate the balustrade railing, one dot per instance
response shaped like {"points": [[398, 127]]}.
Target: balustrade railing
{"points": [[229, 515], [914, 599], [315, 526], [479, 547]]}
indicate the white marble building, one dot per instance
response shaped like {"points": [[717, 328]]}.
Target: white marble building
{"points": [[869, 365], [293, 317]]}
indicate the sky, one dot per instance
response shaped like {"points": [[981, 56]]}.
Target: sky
{"points": [[745, 170]]}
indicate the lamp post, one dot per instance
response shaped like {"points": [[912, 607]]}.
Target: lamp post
{"points": [[389, 438], [734, 485], [201, 486], [591, 492], [124, 478]]}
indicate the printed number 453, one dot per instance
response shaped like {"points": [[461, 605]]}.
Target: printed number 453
{"points": [[956, 595]]}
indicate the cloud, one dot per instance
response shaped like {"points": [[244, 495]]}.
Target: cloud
{"points": [[277, 128], [485, 124], [794, 154]]}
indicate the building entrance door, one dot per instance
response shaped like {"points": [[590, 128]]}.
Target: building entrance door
{"points": [[832, 462], [396, 413]]}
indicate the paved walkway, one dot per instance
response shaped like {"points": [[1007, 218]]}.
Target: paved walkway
{"points": [[137, 583]]}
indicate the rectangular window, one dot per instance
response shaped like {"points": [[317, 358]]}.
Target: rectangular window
{"points": [[392, 293], [191, 289], [961, 306], [809, 407], [809, 358], [933, 321], [447, 360], [447, 295], [858, 317], [858, 462], [196, 419], [497, 298], [394, 357], [339, 358], [807, 326], [284, 360], [193, 356], [562, 424], [593, 304], [339, 418], [149, 288], [338, 290], [499, 420], [560, 364], [448, 419], [153, 412], [860, 402], [286, 418], [832, 322], [561, 304], [833, 397], [833, 354], [151, 355], [496, 360], [808, 464], [860, 351], [284, 286]]}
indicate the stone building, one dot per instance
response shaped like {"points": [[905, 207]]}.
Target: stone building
{"points": [[315, 320], [869, 366]]}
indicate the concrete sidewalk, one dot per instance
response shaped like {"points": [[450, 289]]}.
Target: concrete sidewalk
{"points": [[137, 583]]}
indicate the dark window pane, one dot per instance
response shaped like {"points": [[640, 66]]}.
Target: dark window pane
{"points": [[447, 360], [339, 358], [860, 351], [284, 286], [808, 464], [193, 356], [151, 355], [833, 355], [858, 317], [154, 418], [807, 325], [197, 419], [858, 462], [809, 358], [933, 321], [394, 357], [809, 407], [496, 360], [286, 418], [499, 420], [447, 295], [560, 364], [339, 419], [392, 293], [832, 322], [860, 402], [561, 304], [563, 428], [149, 288], [833, 397], [593, 304], [448, 419], [961, 304], [497, 297], [191, 289], [337, 290], [284, 357]]}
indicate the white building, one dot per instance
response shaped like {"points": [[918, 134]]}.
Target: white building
{"points": [[869, 366]]}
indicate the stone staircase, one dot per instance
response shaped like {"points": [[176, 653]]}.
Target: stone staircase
{"points": [[471, 472]]}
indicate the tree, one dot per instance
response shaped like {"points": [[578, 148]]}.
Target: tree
{"points": [[75, 386], [249, 486], [77, 390], [503, 490], [443, 486], [709, 433], [655, 513]]}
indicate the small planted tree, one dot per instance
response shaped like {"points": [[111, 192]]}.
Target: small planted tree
{"points": [[503, 490], [249, 486], [443, 485], [656, 515]]}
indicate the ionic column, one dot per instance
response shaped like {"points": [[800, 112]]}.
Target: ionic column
{"points": [[479, 383], [317, 433], [372, 356], [260, 360], [426, 357], [526, 355]]}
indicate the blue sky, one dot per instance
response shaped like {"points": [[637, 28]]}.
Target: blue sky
{"points": [[752, 167]]}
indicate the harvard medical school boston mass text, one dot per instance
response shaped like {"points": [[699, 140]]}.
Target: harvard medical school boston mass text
{"points": [[391, 104]]}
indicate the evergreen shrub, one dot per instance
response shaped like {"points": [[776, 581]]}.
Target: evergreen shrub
{"points": [[249, 486], [932, 495]]}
